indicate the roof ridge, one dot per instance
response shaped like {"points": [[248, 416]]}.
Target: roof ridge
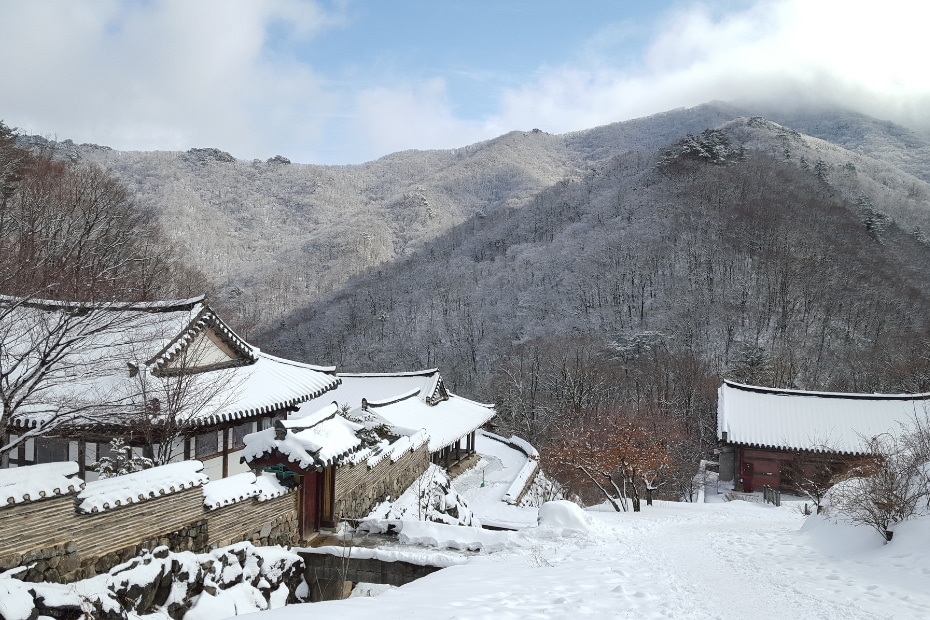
{"points": [[393, 399], [168, 305], [815, 394], [413, 373]]}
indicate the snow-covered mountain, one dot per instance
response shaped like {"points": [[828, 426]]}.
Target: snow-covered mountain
{"points": [[796, 258]]}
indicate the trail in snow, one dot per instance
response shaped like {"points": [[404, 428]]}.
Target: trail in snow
{"points": [[735, 560], [484, 485]]}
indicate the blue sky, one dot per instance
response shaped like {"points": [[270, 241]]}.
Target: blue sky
{"points": [[345, 81]]}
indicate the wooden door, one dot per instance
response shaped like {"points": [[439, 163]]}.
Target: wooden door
{"points": [[309, 504], [328, 497]]}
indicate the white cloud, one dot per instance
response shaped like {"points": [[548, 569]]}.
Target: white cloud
{"points": [[166, 75], [412, 116], [865, 56], [172, 74]]}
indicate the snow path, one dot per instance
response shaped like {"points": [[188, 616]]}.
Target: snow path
{"points": [[734, 560], [498, 467]]}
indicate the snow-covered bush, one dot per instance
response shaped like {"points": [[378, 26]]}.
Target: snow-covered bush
{"points": [[122, 461], [893, 488], [563, 514], [430, 498]]}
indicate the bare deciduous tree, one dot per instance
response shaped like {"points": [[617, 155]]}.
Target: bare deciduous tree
{"points": [[72, 233], [621, 452], [47, 366], [893, 488], [168, 406]]}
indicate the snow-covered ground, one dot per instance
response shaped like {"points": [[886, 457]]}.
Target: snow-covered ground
{"points": [[717, 559], [673, 560], [485, 485], [714, 559]]}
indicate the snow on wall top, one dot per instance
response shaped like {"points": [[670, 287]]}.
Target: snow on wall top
{"points": [[409, 441], [526, 473], [20, 485], [269, 487], [229, 490], [240, 487], [816, 421], [140, 486]]}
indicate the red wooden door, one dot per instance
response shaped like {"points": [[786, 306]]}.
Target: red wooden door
{"points": [[309, 504]]}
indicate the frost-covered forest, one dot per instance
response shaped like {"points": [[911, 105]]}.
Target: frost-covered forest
{"points": [[623, 268]]}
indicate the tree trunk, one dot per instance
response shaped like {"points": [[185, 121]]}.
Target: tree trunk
{"points": [[634, 494], [612, 501]]}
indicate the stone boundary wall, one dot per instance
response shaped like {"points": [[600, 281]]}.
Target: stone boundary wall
{"points": [[65, 545], [271, 522], [326, 574], [360, 488]]}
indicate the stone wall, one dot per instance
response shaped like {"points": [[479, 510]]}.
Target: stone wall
{"points": [[64, 545], [272, 522], [325, 574], [360, 488]]}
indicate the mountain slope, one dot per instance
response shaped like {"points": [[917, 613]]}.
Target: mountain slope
{"points": [[628, 265], [273, 236], [772, 263]]}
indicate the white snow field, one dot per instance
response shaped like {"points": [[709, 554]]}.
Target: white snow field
{"points": [[673, 560], [712, 559]]}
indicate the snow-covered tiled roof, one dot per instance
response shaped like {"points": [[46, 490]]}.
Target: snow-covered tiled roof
{"points": [[816, 421], [269, 384], [406, 400], [385, 450], [376, 387], [109, 493], [19, 485], [130, 352], [319, 440], [445, 422], [326, 438]]}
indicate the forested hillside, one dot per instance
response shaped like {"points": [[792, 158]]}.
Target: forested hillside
{"points": [[275, 235], [750, 251], [626, 267]]}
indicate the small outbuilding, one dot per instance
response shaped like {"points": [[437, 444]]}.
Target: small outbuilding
{"points": [[342, 468], [767, 435]]}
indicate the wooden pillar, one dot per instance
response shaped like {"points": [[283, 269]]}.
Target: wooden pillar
{"points": [[225, 448], [82, 457], [458, 449], [448, 453], [187, 448], [5, 457], [328, 500]]}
